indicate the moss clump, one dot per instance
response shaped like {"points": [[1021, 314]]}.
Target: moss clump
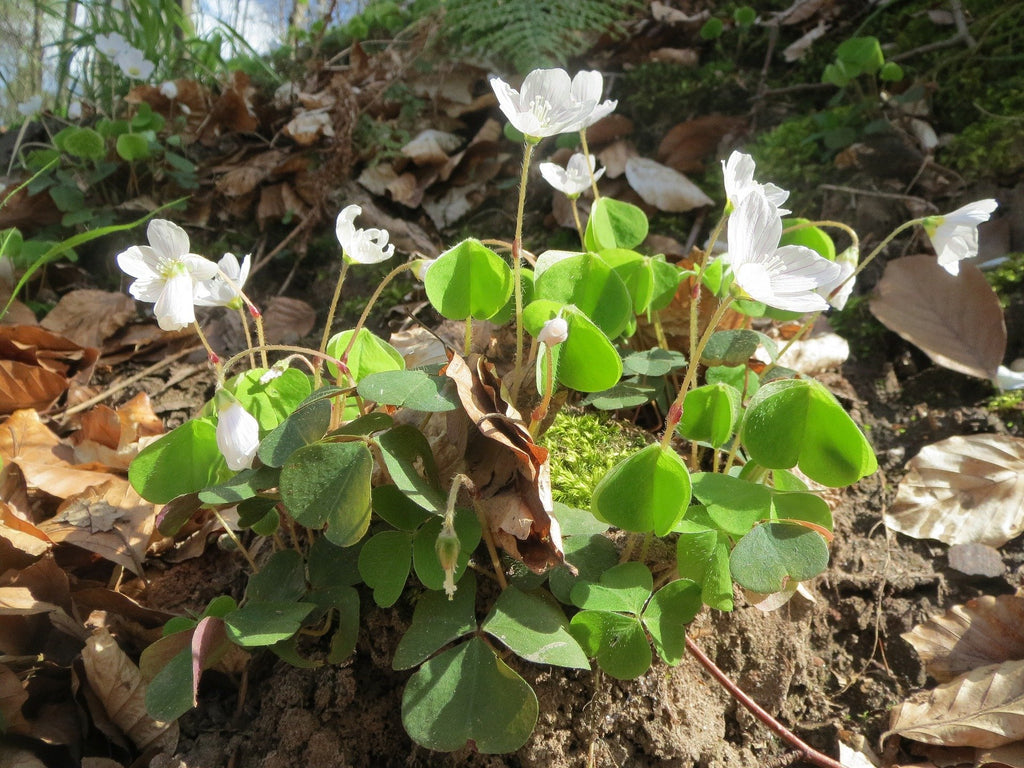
{"points": [[1006, 279], [1006, 403], [583, 448]]}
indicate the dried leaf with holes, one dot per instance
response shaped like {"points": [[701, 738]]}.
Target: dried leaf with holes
{"points": [[510, 471], [986, 630], [963, 489]]}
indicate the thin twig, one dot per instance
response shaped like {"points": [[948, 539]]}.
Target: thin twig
{"points": [[809, 753], [875, 193], [125, 383]]}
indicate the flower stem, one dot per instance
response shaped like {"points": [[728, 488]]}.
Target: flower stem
{"points": [[334, 307], [675, 411], [369, 306], [542, 410], [517, 277], [586, 153], [881, 246], [248, 337], [214, 358], [576, 218], [300, 351]]}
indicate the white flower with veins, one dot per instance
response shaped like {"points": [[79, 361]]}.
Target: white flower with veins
{"points": [[738, 171], [574, 179], [363, 246], [955, 235], [238, 434], [785, 278], [838, 292], [166, 273], [549, 103], [223, 289]]}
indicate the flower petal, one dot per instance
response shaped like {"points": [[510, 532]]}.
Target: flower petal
{"points": [[139, 261], [174, 309], [168, 239]]}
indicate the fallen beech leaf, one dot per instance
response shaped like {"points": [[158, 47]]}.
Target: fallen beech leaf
{"points": [[686, 146], [608, 129], [983, 708], [1009, 756], [431, 147], [111, 520], [666, 13], [90, 317], [113, 438], [663, 187], [307, 127], [986, 630], [615, 156], [12, 696], [119, 686], [286, 320], [956, 320], [15, 757], [976, 560], [967, 488], [36, 366], [48, 464], [510, 471]]}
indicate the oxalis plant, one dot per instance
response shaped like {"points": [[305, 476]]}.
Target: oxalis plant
{"points": [[338, 472]]}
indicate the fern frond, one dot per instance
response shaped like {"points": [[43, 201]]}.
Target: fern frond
{"points": [[531, 33]]}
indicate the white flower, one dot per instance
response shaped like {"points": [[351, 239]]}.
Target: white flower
{"points": [[847, 261], [32, 106], [574, 178], [955, 235], [554, 332], [111, 45], [420, 268], [169, 89], [166, 273], [549, 103], [738, 171], [363, 246], [222, 290], [75, 110], [784, 278], [134, 64], [238, 434]]}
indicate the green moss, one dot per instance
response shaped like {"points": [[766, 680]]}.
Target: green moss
{"points": [[1006, 403], [1006, 279], [583, 448]]}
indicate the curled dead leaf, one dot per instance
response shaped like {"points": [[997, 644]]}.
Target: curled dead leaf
{"points": [[36, 367], [510, 471], [89, 317]]}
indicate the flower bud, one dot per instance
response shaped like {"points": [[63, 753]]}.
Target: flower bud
{"points": [[238, 432], [554, 332], [447, 547]]}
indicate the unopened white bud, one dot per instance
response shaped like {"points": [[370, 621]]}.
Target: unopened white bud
{"points": [[554, 332]]}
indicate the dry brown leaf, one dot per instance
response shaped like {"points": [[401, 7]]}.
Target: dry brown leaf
{"points": [[669, 15], [36, 366], [113, 438], [287, 320], [431, 147], [798, 49], [663, 187], [976, 560], [510, 471], [687, 145], [608, 129], [90, 317], [967, 488], [983, 708], [48, 464], [1009, 756], [12, 696], [987, 630], [16, 757], [111, 520], [956, 320], [17, 313], [117, 682], [684, 57], [277, 200], [615, 156]]}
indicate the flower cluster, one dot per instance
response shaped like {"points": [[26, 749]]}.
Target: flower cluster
{"points": [[131, 60], [790, 277], [176, 280]]}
